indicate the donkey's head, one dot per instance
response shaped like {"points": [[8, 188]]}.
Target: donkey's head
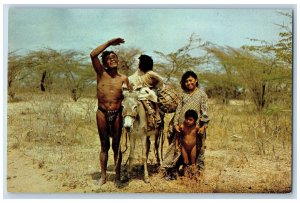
{"points": [[130, 107]]}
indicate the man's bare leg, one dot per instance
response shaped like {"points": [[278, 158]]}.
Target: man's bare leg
{"points": [[118, 161], [105, 145], [103, 164], [116, 148]]}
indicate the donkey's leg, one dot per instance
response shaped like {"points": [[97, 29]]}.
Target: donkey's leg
{"points": [[156, 146], [132, 139], [148, 143], [145, 152]]}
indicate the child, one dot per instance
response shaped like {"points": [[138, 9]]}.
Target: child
{"points": [[186, 139]]}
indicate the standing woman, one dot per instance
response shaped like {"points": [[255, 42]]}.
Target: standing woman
{"points": [[196, 99]]}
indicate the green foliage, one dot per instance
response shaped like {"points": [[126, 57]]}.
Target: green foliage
{"points": [[281, 51], [220, 87], [68, 69], [264, 71], [226, 84], [127, 59], [175, 63], [261, 76], [15, 72], [54, 69]]}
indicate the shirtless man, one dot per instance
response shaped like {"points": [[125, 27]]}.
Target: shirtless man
{"points": [[187, 138], [109, 113]]}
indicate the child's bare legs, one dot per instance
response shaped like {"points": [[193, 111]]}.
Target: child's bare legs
{"points": [[189, 158], [185, 160], [193, 155]]}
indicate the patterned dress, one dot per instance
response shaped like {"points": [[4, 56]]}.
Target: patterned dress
{"points": [[196, 101]]}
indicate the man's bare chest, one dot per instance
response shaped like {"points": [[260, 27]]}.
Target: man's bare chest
{"points": [[107, 82]]}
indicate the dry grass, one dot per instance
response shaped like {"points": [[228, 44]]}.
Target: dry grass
{"points": [[246, 152]]}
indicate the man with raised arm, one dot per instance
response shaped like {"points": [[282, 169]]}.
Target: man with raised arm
{"points": [[109, 113]]}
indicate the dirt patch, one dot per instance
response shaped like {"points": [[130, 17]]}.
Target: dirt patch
{"points": [[27, 175], [53, 147]]}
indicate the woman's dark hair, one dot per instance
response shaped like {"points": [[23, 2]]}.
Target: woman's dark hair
{"points": [[146, 63], [185, 76], [191, 113], [105, 54]]}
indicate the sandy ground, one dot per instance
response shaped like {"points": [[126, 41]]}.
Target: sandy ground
{"points": [[45, 159]]}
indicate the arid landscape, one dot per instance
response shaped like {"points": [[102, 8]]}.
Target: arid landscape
{"points": [[243, 59], [53, 147]]}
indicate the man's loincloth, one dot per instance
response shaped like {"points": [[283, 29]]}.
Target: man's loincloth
{"points": [[110, 117]]}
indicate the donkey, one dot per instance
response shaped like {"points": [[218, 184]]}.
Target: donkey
{"points": [[135, 124]]}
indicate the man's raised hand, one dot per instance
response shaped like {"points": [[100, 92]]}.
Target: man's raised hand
{"points": [[116, 41]]}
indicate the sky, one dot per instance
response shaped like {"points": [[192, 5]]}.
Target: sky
{"points": [[164, 30]]}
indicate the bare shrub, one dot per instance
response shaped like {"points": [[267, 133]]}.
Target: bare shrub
{"points": [[271, 132], [59, 134]]}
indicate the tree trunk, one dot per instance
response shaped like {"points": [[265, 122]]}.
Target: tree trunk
{"points": [[43, 81], [263, 95]]}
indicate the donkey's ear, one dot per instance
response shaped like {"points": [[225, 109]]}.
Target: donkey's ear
{"points": [[125, 89], [124, 86]]}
